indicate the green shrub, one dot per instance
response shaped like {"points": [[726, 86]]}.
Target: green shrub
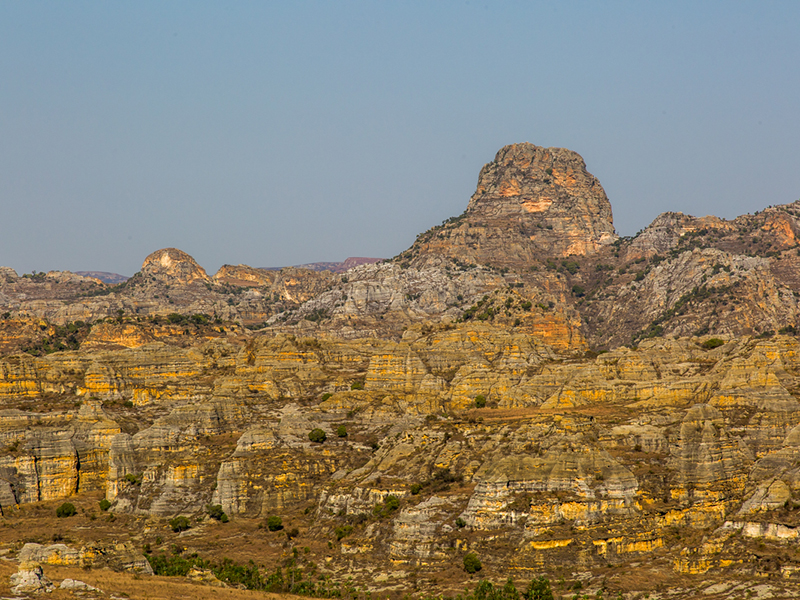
{"points": [[712, 343], [104, 504], [472, 564], [460, 523], [415, 489], [317, 436], [172, 565], [199, 319], [274, 523], [341, 431], [539, 589], [444, 477], [480, 401], [357, 385], [215, 512], [343, 531], [571, 266], [179, 524], [318, 314], [578, 290], [390, 504], [66, 510], [326, 395]]}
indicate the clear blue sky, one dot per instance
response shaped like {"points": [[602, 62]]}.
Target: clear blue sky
{"points": [[277, 133]]}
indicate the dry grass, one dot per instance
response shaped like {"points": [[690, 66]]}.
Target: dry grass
{"points": [[503, 414], [239, 540], [602, 411], [135, 587]]}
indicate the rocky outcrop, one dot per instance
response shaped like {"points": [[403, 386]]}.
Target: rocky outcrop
{"points": [[30, 579], [76, 585], [538, 224], [242, 275], [174, 266], [418, 531], [573, 479], [684, 275], [337, 267], [119, 556], [54, 456], [55, 554], [254, 481], [530, 203]]}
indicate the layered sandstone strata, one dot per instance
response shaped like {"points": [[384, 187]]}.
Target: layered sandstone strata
{"points": [[530, 203]]}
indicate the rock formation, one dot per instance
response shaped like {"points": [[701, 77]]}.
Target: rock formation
{"points": [[531, 203], [30, 579], [520, 384], [173, 265]]}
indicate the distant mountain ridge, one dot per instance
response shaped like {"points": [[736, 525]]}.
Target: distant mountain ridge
{"points": [[104, 276], [539, 224], [333, 267]]}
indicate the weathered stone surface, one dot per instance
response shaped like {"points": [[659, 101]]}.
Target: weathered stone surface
{"points": [[77, 585], [173, 265], [118, 556], [530, 202], [572, 480], [55, 554], [418, 531], [244, 275], [30, 579]]}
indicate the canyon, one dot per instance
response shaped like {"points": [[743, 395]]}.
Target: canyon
{"points": [[618, 414]]}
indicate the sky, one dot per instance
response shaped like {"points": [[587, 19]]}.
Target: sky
{"points": [[282, 133]]}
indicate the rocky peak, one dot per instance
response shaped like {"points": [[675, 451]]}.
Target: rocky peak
{"points": [[664, 233], [532, 183], [530, 202], [173, 265], [244, 275], [8, 273]]}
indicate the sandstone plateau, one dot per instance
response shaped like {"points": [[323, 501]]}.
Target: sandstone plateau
{"points": [[620, 415]]}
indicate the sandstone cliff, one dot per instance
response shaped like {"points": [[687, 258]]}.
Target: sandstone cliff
{"points": [[592, 461], [531, 203]]}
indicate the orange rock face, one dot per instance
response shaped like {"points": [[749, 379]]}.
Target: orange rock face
{"points": [[530, 203], [243, 275]]}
